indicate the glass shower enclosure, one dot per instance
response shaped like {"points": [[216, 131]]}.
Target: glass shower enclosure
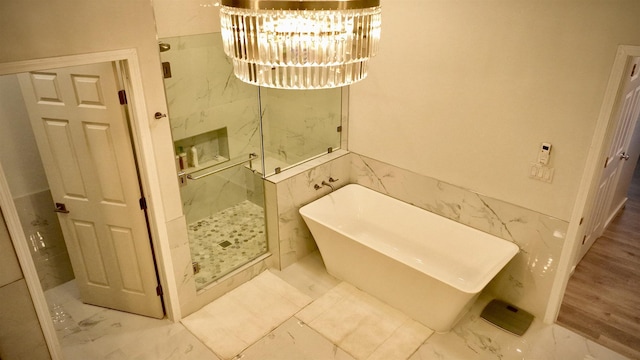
{"points": [[228, 136]]}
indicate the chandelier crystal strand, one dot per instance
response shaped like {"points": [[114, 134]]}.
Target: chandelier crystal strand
{"points": [[300, 49]]}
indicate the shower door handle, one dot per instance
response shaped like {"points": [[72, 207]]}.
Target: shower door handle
{"points": [[61, 208]]}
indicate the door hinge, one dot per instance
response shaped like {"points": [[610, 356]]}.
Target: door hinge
{"points": [[606, 162], [581, 220], [584, 239], [339, 128], [143, 203], [122, 96], [159, 290], [166, 70], [633, 71]]}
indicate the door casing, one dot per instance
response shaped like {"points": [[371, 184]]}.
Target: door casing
{"points": [[141, 136]]}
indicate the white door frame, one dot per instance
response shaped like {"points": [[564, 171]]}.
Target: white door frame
{"points": [[141, 136], [602, 137]]}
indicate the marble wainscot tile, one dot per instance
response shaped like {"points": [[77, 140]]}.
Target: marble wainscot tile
{"points": [[363, 326], [241, 317], [44, 238], [297, 190], [272, 221], [526, 281], [476, 339], [181, 260], [528, 278]]}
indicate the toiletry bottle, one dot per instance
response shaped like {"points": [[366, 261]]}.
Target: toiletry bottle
{"points": [[183, 161], [194, 156]]}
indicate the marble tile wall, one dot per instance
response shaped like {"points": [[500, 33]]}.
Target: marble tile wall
{"points": [[300, 124], [288, 192], [525, 282], [45, 240], [203, 96]]}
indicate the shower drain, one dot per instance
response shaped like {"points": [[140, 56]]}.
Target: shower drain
{"points": [[224, 244]]}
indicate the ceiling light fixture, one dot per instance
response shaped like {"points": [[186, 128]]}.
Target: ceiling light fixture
{"points": [[300, 44]]}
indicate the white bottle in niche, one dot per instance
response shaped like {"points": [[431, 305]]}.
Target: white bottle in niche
{"points": [[194, 156]]}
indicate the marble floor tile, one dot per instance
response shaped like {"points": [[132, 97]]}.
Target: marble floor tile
{"points": [[270, 319], [476, 339], [243, 316], [309, 275], [294, 340], [91, 332], [363, 326]]}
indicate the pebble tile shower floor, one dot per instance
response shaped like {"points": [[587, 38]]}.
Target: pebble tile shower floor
{"points": [[227, 240]]}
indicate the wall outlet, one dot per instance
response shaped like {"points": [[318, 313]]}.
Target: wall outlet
{"points": [[541, 172]]}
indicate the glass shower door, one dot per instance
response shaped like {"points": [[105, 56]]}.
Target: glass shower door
{"points": [[215, 121]]}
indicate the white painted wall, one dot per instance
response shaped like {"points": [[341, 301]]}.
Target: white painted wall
{"points": [[186, 17], [465, 91]]}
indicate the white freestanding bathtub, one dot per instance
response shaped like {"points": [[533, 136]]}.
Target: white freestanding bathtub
{"points": [[423, 264]]}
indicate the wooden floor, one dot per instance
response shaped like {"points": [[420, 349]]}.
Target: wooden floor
{"points": [[602, 301]]}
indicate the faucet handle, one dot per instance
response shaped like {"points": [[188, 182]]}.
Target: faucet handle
{"points": [[332, 179]]}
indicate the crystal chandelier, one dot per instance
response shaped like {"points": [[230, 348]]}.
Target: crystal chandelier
{"points": [[300, 44]]}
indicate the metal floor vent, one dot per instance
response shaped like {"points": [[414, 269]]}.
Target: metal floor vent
{"points": [[507, 317]]}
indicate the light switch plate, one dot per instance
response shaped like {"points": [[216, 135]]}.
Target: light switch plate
{"points": [[541, 172]]}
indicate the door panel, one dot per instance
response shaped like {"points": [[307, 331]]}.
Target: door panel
{"points": [[606, 205], [84, 142], [123, 245], [63, 156], [91, 259], [100, 145]]}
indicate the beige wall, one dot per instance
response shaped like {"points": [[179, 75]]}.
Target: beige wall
{"points": [[465, 91]]}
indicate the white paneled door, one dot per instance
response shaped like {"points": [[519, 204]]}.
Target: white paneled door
{"points": [[607, 201], [83, 139]]}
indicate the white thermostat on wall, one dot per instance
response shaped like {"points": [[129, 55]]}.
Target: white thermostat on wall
{"points": [[543, 155]]}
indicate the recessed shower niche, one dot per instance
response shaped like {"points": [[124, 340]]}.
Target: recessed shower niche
{"points": [[202, 151], [240, 134]]}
